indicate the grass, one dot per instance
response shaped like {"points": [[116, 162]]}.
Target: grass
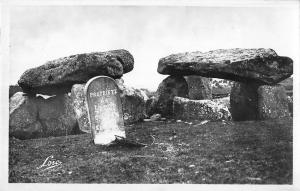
{"points": [[249, 152]]}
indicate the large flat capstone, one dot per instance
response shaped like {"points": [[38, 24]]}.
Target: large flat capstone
{"points": [[261, 66], [58, 76]]}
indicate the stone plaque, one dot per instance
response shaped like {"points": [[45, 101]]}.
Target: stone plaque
{"points": [[104, 109]]}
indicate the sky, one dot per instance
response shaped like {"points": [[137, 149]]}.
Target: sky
{"points": [[42, 33]]}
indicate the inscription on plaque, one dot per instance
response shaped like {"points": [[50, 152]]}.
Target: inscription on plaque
{"points": [[104, 109]]}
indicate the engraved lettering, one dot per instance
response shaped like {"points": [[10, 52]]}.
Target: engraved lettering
{"points": [[103, 93]]}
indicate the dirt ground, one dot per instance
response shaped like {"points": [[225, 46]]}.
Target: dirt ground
{"points": [[249, 152]]}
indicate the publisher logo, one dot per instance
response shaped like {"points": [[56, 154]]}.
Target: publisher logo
{"points": [[50, 163]]}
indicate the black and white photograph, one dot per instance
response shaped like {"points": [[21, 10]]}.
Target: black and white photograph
{"points": [[110, 92]]}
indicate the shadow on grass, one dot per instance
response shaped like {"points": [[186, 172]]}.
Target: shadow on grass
{"points": [[251, 152]]}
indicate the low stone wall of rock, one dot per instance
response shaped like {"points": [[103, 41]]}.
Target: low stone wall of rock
{"points": [[187, 109]]}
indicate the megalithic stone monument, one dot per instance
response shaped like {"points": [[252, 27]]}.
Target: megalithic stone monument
{"points": [[104, 109]]}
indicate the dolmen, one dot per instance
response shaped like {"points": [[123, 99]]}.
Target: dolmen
{"points": [[255, 94], [58, 76], [52, 101]]}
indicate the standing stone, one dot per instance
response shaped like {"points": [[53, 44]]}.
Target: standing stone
{"points": [[57, 116], [133, 103], [244, 101], [199, 87], [288, 85], [58, 76], [187, 109], [34, 117], [104, 109], [151, 106], [23, 112], [133, 107], [272, 102], [79, 105], [261, 66], [169, 88]]}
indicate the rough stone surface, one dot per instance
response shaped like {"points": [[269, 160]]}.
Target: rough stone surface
{"points": [[155, 117], [187, 109], [221, 88], [149, 93], [104, 109], [33, 117], [14, 89], [244, 101], [199, 87], [58, 76], [290, 102], [133, 103], [288, 85], [143, 94], [223, 101], [120, 83], [221, 83], [261, 66], [23, 112], [57, 116], [272, 102], [151, 106], [169, 88], [79, 105]]}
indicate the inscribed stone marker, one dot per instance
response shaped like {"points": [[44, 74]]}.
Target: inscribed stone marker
{"points": [[104, 109]]}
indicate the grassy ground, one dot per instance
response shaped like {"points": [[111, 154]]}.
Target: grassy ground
{"points": [[219, 153]]}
